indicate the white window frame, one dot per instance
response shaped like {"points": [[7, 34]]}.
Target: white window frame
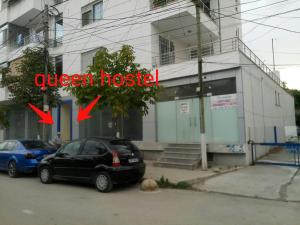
{"points": [[91, 8]]}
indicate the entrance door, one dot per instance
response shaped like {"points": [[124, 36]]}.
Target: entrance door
{"points": [[178, 121], [187, 121]]}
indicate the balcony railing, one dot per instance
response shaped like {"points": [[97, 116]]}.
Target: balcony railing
{"points": [[23, 41], [257, 61], [214, 48], [155, 4], [190, 53]]}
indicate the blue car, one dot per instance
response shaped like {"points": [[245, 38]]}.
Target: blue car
{"points": [[22, 156]]}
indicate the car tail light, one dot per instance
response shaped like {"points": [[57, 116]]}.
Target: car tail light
{"points": [[115, 159], [29, 156]]}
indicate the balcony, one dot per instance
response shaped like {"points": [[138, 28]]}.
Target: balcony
{"points": [[216, 56], [181, 25], [20, 11], [205, 7], [21, 41]]}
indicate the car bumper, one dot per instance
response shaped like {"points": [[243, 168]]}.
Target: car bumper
{"points": [[29, 167], [127, 174]]}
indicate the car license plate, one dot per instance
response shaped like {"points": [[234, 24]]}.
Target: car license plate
{"points": [[134, 160]]}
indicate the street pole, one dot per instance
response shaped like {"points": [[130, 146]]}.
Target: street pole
{"points": [[201, 91], [273, 54], [46, 46], [220, 33]]}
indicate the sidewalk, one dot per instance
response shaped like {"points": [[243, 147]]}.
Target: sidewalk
{"points": [[177, 175]]}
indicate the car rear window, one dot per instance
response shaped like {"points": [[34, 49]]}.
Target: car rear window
{"points": [[35, 144], [122, 146]]}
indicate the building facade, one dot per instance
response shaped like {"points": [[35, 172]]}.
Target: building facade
{"points": [[244, 99]]}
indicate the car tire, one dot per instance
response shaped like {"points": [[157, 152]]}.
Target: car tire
{"points": [[12, 169], [45, 175], [103, 182]]}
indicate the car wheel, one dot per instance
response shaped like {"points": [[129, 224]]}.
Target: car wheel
{"points": [[12, 169], [45, 175], [103, 182]]}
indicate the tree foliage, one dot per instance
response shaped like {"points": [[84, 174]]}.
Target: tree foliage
{"points": [[119, 99], [22, 86], [296, 94]]}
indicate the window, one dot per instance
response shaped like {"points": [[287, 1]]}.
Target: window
{"points": [[92, 13], [34, 144], [59, 30], [166, 51], [2, 146], [87, 18], [8, 146], [220, 87], [97, 11], [71, 149], [93, 148], [123, 146], [277, 98], [59, 65], [3, 35]]}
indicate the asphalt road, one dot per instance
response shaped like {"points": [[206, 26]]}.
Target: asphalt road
{"points": [[25, 201]]}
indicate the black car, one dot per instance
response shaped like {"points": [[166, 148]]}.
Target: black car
{"points": [[102, 161]]}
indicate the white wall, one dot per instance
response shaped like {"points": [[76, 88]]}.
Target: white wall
{"points": [[229, 25], [111, 34], [261, 112]]}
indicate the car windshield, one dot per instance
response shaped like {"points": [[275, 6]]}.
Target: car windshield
{"points": [[123, 146], [35, 144]]}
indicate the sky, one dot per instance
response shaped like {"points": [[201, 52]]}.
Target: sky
{"points": [[286, 44]]}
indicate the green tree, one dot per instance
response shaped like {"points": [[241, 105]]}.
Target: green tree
{"points": [[296, 94], [22, 85], [119, 99]]}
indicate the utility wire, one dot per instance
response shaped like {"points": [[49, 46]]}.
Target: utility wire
{"points": [[223, 16]]}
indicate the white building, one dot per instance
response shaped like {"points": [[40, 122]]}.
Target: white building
{"points": [[244, 98]]}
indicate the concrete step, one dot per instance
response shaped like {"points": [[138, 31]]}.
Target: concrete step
{"points": [[183, 149], [179, 160], [184, 145], [182, 156], [190, 155], [190, 166]]}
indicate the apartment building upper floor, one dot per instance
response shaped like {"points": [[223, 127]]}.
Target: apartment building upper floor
{"points": [[103, 22]]}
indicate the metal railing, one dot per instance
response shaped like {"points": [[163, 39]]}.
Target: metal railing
{"points": [[155, 4], [215, 48], [190, 53], [23, 41], [288, 154], [254, 58]]}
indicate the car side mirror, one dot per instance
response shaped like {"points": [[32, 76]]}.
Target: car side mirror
{"points": [[60, 154]]}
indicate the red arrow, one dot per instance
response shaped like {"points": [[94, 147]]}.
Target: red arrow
{"points": [[45, 117], [83, 114]]}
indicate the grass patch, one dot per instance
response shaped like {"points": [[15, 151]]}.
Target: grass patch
{"points": [[165, 183]]}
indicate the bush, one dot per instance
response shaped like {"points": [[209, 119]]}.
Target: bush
{"points": [[165, 183]]}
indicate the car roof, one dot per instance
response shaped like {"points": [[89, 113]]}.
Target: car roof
{"points": [[21, 140], [108, 138]]}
